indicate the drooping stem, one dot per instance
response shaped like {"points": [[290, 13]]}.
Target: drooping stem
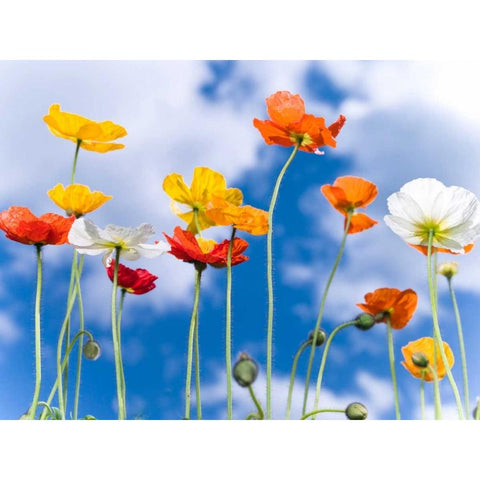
{"points": [[38, 351], [271, 208], [191, 335], [228, 326], [462, 348], [198, 400], [324, 360], [323, 410], [300, 350], [436, 327], [422, 396], [117, 352], [322, 307], [391, 357], [74, 167], [259, 415]]}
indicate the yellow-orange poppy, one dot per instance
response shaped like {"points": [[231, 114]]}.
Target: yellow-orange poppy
{"points": [[93, 136]]}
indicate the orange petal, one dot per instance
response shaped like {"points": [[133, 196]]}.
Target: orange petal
{"points": [[284, 108], [424, 249], [273, 134], [403, 309], [337, 126], [359, 192], [336, 196], [360, 222]]}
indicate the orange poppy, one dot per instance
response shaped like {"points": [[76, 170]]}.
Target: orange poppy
{"points": [[21, 225], [349, 193], [400, 306], [186, 247], [425, 346], [424, 249], [290, 124]]}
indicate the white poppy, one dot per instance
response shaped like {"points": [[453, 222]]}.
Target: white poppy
{"points": [[87, 238], [425, 204]]}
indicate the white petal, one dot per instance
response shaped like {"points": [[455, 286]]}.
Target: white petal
{"points": [[404, 229], [402, 205], [424, 191], [148, 250], [130, 235], [83, 233]]}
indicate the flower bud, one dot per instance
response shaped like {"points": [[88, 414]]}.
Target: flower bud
{"points": [[447, 269], [89, 417], [364, 321], [245, 370], [420, 360], [356, 411], [92, 350], [321, 337]]}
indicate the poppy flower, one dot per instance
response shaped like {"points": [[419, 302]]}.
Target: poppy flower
{"points": [[186, 247], [398, 305], [289, 124], [206, 184], [425, 346], [89, 239], [426, 205], [21, 225], [93, 136], [77, 199], [349, 193], [138, 281], [447, 269], [246, 218]]}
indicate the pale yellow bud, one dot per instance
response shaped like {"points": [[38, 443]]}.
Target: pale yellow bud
{"points": [[447, 269]]}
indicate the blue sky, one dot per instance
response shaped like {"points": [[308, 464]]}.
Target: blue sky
{"points": [[404, 120]]}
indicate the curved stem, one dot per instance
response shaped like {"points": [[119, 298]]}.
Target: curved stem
{"points": [[271, 208], [80, 341], [300, 350], [228, 326], [322, 307], [323, 410], [47, 407], [198, 400], [436, 328], [122, 414], [260, 415], [462, 348], [74, 167], [38, 352], [391, 357], [324, 360], [422, 396], [191, 335]]}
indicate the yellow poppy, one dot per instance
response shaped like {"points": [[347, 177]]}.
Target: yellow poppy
{"points": [[77, 199], [93, 136], [206, 185]]}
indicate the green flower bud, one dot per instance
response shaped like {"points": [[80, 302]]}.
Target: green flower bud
{"points": [[420, 360], [92, 350], [364, 321], [245, 370], [89, 417], [356, 411], [321, 337]]}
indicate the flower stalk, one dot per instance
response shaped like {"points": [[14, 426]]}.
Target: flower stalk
{"points": [[391, 356]]}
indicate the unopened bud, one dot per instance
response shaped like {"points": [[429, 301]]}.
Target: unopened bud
{"points": [[420, 360], [92, 350], [356, 411], [245, 370], [447, 269], [89, 417], [321, 337], [364, 321]]}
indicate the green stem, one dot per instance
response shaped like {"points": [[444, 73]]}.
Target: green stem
{"points": [[462, 348], [324, 360], [260, 415], [271, 208], [300, 350], [38, 352], [47, 407], [198, 400], [62, 366], [72, 178], [320, 312], [436, 393], [119, 334], [191, 335], [391, 357], [436, 327], [80, 341], [228, 326], [323, 410], [122, 414], [197, 223], [422, 396], [477, 410]]}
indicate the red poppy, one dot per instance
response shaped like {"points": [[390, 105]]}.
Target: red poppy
{"points": [[290, 124], [21, 225], [424, 249], [349, 193], [400, 306], [138, 281], [200, 250]]}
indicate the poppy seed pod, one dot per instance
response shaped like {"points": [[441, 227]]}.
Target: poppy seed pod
{"points": [[92, 350], [245, 370], [364, 321], [420, 360], [356, 411], [321, 337]]}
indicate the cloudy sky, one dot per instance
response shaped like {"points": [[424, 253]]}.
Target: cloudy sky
{"points": [[404, 120]]}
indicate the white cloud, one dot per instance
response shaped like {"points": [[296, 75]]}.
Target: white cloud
{"points": [[9, 330]]}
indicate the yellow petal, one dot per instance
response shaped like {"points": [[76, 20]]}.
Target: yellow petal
{"points": [[234, 196], [177, 190], [206, 183], [206, 245], [77, 199], [101, 147]]}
